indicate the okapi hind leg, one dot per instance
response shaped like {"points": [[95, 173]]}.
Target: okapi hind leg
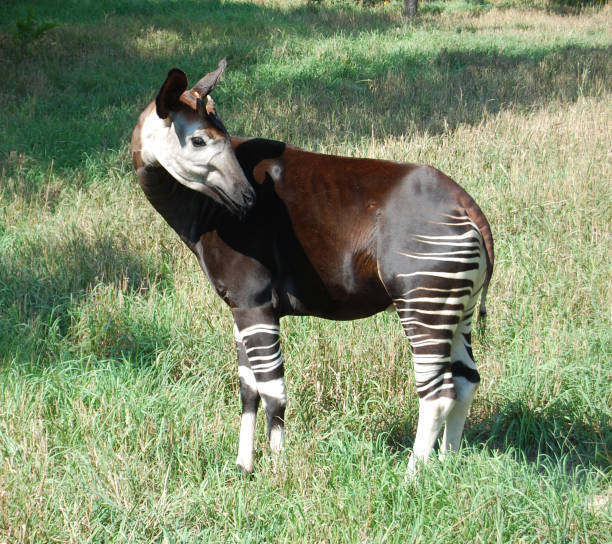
{"points": [[465, 378], [438, 327], [431, 349], [432, 274]]}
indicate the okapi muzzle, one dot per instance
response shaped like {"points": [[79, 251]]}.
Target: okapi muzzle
{"points": [[327, 236]]}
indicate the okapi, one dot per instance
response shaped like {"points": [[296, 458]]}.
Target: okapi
{"points": [[282, 231]]}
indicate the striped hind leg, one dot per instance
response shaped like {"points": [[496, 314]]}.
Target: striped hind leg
{"points": [[430, 332], [465, 380], [437, 320], [431, 276]]}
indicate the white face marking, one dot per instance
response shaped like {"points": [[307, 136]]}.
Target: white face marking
{"points": [[210, 167], [149, 138], [171, 144]]}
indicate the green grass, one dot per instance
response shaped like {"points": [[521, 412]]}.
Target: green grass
{"points": [[119, 406]]}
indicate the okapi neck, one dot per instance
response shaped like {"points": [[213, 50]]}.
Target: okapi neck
{"points": [[189, 213]]}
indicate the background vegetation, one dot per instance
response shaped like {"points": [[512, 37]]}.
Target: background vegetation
{"points": [[118, 390]]}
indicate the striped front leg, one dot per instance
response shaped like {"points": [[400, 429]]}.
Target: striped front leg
{"points": [[261, 373]]}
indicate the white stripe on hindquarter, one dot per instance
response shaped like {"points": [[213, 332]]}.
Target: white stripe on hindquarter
{"points": [[431, 257], [439, 379], [431, 312], [434, 300], [436, 290], [406, 321], [471, 233], [464, 274], [448, 243]]}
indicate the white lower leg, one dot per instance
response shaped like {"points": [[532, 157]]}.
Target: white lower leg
{"points": [[245, 447], [277, 438], [432, 414], [274, 397], [454, 429], [248, 392], [456, 418]]}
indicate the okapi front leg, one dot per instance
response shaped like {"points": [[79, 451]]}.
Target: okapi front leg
{"points": [[264, 352], [258, 331], [249, 396]]}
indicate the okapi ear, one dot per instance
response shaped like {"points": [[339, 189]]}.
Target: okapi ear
{"points": [[168, 97], [209, 81]]}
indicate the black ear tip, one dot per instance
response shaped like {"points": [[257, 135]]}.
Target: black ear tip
{"points": [[177, 77], [176, 72], [170, 92]]}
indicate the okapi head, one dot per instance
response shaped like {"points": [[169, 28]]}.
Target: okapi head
{"points": [[183, 134]]}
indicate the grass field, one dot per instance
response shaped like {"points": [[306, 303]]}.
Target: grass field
{"points": [[119, 407]]}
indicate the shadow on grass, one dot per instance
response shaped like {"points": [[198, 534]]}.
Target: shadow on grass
{"points": [[558, 433], [180, 11], [83, 103], [407, 91], [78, 295]]}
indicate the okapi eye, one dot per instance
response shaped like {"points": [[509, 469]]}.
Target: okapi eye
{"points": [[197, 141]]}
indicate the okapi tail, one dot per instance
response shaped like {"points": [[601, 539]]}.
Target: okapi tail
{"points": [[476, 215]]}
